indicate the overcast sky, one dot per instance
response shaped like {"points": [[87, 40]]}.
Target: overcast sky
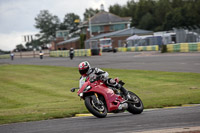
{"points": [[17, 16]]}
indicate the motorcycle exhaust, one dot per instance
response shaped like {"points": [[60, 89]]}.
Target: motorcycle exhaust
{"points": [[123, 106]]}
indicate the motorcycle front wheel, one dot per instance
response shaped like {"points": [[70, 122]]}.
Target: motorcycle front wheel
{"points": [[99, 111], [136, 107]]}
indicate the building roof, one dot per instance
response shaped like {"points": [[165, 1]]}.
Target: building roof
{"points": [[125, 32], [68, 41], [107, 18]]}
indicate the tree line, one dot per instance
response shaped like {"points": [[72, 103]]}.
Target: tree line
{"points": [[160, 15], [155, 15]]}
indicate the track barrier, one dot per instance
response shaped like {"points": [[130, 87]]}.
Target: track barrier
{"points": [[184, 47], [65, 53], [138, 48]]}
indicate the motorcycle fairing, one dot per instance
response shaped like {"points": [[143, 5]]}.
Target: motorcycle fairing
{"points": [[112, 100]]}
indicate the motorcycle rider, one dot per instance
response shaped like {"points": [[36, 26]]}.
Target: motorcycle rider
{"points": [[85, 70], [71, 53]]}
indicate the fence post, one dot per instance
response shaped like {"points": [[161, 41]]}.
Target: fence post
{"points": [[20, 54], [33, 54]]}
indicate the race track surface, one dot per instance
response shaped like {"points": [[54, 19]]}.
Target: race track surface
{"points": [[182, 117], [174, 62]]}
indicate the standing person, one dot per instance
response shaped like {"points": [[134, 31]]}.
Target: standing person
{"points": [[12, 55], [85, 70], [71, 53], [41, 54]]}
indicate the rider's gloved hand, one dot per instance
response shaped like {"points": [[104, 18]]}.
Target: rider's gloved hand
{"points": [[93, 78], [97, 77], [102, 78]]}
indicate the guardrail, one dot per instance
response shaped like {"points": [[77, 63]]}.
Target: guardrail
{"points": [[183, 47], [65, 53], [138, 48], [29, 54]]}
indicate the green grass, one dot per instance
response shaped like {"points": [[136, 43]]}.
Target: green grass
{"points": [[29, 93], [5, 56]]}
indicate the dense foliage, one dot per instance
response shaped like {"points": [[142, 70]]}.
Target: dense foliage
{"points": [[89, 13], [48, 24], [69, 22], [160, 15]]}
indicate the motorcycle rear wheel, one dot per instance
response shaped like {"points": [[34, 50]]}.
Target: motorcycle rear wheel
{"points": [[89, 105], [135, 108]]}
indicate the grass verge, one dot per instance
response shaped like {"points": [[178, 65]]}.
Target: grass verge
{"points": [[29, 93], [5, 56]]}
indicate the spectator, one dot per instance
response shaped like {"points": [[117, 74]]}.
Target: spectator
{"points": [[12, 55]]}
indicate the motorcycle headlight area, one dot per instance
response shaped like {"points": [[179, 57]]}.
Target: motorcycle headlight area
{"points": [[81, 94], [87, 88]]}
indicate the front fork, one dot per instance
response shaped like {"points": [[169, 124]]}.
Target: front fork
{"points": [[96, 99]]}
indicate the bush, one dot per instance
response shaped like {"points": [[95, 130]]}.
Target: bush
{"points": [[164, 49]]}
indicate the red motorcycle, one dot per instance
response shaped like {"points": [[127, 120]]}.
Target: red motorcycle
{"points": [[101, 99]]}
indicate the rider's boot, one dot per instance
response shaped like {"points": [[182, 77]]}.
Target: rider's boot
{"points": [[113, 83]]}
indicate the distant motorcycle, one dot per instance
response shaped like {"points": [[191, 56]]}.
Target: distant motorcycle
{"points": [[100, 100], [71, 53], [41, 54]]}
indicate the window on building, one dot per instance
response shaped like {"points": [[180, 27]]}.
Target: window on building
{"points": [[62, 33], [84, 30], [97, 29], [117, 27]]}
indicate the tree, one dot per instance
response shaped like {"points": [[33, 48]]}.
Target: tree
{"points": [[20, 47], [147, 22], [162, 7], [35, 44], [177, 18], [116, 9], [131, 8], [82, 40], [4, 52], [160, 15], [143, 8], [69, 22], [90, 13], [48, 24]]}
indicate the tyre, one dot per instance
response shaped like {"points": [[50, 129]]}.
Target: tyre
{"points": [[137, 107], [71, 57], [99, 111]]}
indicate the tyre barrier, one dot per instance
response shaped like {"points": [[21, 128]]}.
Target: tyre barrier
{"points": [[138, 48], [65, 53], [183, 47]]}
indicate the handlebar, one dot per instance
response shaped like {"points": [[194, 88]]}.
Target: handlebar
{"points": [[73, 89]]}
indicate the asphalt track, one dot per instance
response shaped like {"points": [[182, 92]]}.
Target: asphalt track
{"points": [[174, 62], [182, 118]]}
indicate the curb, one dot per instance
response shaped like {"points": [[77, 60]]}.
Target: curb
{"points": [[82, 115]]}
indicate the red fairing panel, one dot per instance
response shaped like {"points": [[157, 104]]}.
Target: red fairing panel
{"points": [[112, 100]]}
